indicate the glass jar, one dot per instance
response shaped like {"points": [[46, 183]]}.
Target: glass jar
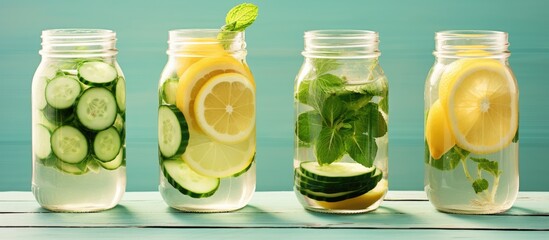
{"points": [[78, 122], [206, 122], [471, 124], [341, 114]]}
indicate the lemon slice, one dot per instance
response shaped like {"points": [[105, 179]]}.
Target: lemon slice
{"points": [[215, 159], [196, 75], [481, 102], [196, 49], [360, 202], [438, 135], [225, 108]]}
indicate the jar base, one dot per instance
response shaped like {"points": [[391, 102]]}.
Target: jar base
{"points": [[486, 211]]}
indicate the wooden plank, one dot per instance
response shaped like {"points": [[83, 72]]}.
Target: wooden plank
{"points": [[252, 233], [278, 210]]}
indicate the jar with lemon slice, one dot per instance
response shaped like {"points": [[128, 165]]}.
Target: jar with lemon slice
{"points": [[341, 114], [471, 124], [206, 122]]}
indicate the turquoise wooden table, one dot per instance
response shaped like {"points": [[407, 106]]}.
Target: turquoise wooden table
{"points": [[271, 215]]}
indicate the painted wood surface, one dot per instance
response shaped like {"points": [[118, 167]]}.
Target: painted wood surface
{"points": [[273, 215]]}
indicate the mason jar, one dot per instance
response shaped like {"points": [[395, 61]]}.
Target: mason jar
{"points": [[471, 124], [78, 122], [341, 114], [206, 122]]}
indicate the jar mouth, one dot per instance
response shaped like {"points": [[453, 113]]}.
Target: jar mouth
{"points": [[342, 34], [78, 42], [78, 33], [471, 43], [204, 42], [341, 43]]}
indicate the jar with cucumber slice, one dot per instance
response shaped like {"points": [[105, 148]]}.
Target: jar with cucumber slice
{"points": [[341, 114], [78, 122], [206, 118]]}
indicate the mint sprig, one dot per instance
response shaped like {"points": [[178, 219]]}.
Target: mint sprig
{"points": [[344, 119], [240, 17]]}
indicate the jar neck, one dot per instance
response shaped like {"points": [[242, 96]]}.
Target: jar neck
{"points": [[343, 44], [205, 42], [78, 43], [471, 44]]}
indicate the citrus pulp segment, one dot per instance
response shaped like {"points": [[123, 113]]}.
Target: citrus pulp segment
{"points": [[481, 102], [438, 135], [192, 80], [225, 108], [216, 159]]}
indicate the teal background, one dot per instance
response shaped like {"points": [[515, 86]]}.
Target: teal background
{"points": [[275, 42]]}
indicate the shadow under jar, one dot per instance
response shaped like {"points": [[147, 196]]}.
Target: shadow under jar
{"points": [[471, 124], [341, 114], [206, 122], [78, 122]]}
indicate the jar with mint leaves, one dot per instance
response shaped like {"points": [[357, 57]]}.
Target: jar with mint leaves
{"points": [[341, 114]]}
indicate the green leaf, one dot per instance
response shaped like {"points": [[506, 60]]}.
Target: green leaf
{"points": [[374, 120], [329, 84], [491, 167], [329, 146], [324, 65], [361, 147], [448, 161], [308, 126], [480, 185], [240, 17], [332, 110], [303, 89], [355, 101]]}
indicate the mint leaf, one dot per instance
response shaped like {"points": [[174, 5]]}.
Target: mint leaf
{"points": [[384, 103], [491, 167], [308, 126], [329, 83], [332, 110], [303, 89], [329, 146], [377, 88], [360, 146], [373, 120], [240, 17], [324, 65], [448, 161], [480, 185], [355, 101]]}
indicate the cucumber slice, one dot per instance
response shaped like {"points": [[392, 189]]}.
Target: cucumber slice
{"points": [[97, 74], [336, 172], [118, 161], [39, 93], [188, 182], [173, 131], [75, 169], [106, 144], [245, 169], [58, 116], [62, 92], [93, 165], [120, 93], [41, 141], [96, 109], [169, 90], [69, 144], [333, 197], [327, 187]]}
